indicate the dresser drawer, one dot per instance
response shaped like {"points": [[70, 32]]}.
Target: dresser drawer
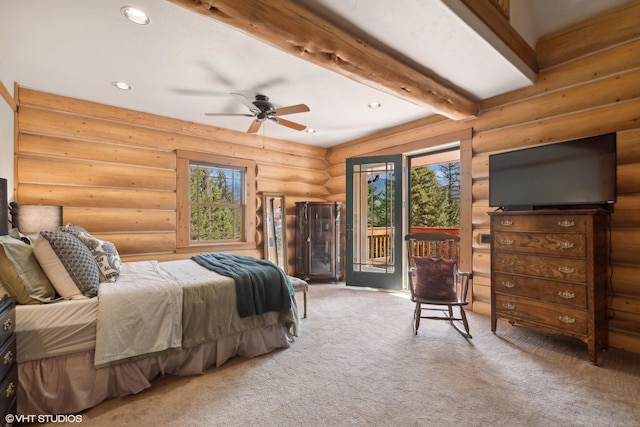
{"points": [[562, 293], [7, 356], [7, 322], [549, 223], [562, 244], [569, 269], [551, 315], [8, 390]]}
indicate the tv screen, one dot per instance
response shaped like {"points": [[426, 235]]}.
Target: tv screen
{"points": [[564, 174]]}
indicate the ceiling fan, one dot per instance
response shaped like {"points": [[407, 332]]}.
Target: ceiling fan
{"points": [[263, 110]]}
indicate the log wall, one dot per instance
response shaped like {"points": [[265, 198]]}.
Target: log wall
{"points": [[591, 87], [114, 170]]}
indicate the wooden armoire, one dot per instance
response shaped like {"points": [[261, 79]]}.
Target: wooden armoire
{"points": [[318, 238]]}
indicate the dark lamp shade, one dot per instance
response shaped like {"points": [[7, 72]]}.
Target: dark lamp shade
{"points": [[35, 218]]}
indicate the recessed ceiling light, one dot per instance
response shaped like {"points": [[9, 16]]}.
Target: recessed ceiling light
{"points": [[121, 85], [135, 15], [374, 105], [309, 130]]}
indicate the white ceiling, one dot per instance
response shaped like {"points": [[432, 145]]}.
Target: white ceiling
{"points": [[183, 64]]}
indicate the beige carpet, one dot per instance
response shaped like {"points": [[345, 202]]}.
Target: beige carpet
{"points": [[358, 363]]}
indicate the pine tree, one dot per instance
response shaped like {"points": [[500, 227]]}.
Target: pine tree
{"points": [[213, 222], [449, 177], [435, 196]]}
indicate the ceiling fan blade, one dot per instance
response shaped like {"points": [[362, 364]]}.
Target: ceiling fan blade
{"points": [[250, 105], [230, 114], [198, 92], [255, 126], [288, 123], [300, 108]]}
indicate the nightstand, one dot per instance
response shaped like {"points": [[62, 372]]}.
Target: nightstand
{"points": [[8, 365]]}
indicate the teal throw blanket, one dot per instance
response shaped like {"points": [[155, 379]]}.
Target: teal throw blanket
{"points": [[261, 286]]}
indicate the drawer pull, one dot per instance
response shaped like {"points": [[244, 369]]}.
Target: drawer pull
{"points": [[566, 294], [566, 270], [508, 284], [566, 319], [7, 325], [509, 306], [507, 242], [11, 389], [508, 262], [506, 222], [8, 357], [566, 223], [565, 245]]}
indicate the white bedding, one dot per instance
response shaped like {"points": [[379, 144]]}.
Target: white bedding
{"points": [[140, 314], [210, 308], [56, 342], [125, 320], [70, 327]]}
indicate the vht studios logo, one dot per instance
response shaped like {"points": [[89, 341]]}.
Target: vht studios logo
{"points": [[11, 418]]}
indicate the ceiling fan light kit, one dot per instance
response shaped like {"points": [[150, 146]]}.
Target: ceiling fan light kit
{"points": [[262, 110]]}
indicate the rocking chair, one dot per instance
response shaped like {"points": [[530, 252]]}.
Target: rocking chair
{"points": [[435, 281]]}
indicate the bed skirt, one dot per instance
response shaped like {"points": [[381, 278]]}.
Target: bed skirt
{"points": [[69, 384]]}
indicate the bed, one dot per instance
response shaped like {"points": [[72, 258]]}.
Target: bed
{"points": [[157, 318]]}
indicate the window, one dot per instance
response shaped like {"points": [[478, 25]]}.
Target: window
{"points": [[217, 199], [216, 202]]}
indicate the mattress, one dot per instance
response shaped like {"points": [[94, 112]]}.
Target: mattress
{"points": [[210, 313], [140, 314], [56, 342], [46, 330], [210, 309]]}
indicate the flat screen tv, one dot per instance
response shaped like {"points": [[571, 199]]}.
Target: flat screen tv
{"points": [[580, 172]]}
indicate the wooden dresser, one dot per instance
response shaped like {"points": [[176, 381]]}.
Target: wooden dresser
{"points": [[8, 366], [549, 272]]}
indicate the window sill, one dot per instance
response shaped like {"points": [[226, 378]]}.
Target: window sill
{"points": [[217, 247]]}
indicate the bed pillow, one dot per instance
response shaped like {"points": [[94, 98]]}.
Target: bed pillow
{"points": [[21, 274], [68, 264], [29, 239], [435, 278], [73, 229], [105, 254]]}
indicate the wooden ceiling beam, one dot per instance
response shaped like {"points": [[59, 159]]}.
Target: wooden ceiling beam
{"points": [[498, 22], [294, 29], [4, 92]]}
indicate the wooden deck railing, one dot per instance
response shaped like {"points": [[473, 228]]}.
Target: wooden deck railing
{"points": [[379, 244]]}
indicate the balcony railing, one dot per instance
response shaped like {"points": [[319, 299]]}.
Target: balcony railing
{"points": [[379, 245]]}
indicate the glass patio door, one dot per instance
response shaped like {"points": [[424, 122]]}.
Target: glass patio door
{"points": [[374, 222]]}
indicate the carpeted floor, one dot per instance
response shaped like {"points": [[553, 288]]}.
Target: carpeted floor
{"points": [[357, 362]]}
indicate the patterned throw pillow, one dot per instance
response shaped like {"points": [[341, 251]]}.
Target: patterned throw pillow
{"points": [[68, 264], [105, 254], [73, 229], [435, 278]]}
